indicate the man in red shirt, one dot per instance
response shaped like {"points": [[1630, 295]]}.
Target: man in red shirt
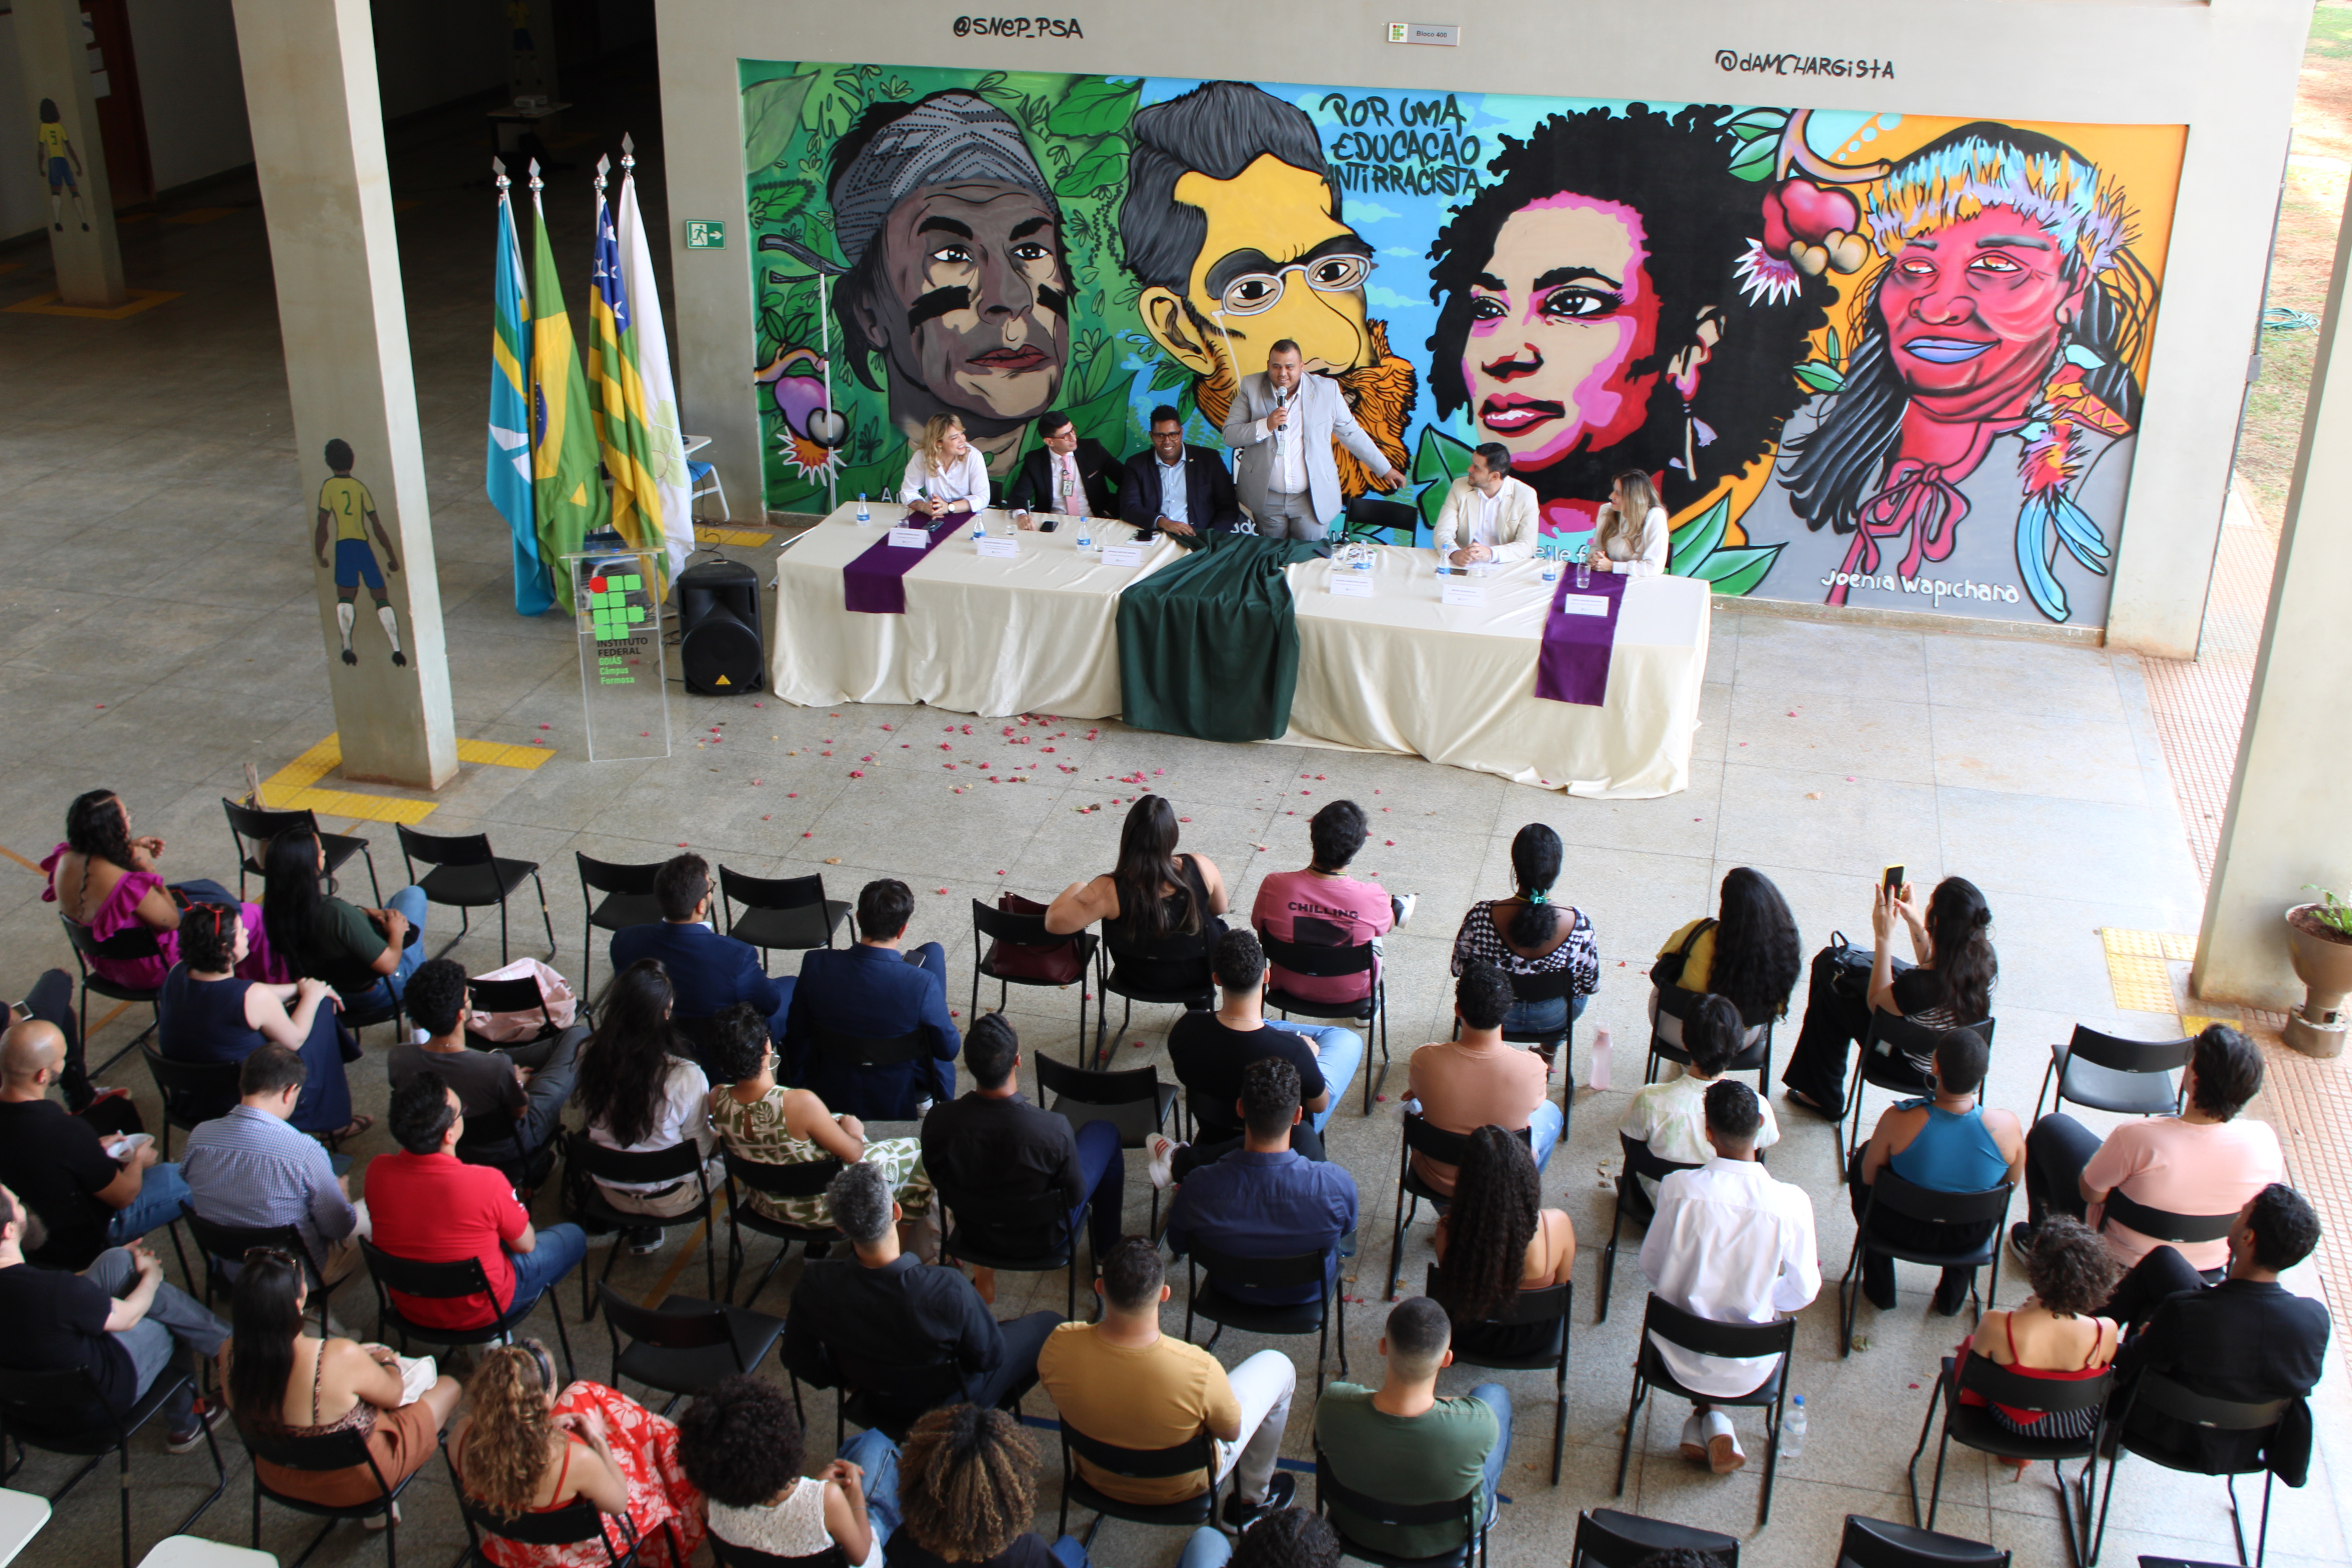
{"points": [[425, 1204]]}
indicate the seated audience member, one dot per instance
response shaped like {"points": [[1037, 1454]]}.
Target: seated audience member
{"points": [[1176, 488], [1497, 1239], [1670, 1116], [523, 1087], [881, 1316], [1729, 1244], [116, 1319], [1120, 1380], [742, 1446], [1477, 1080], [426, 1205], [945, 472], [281, 1381], [524, 1448], [710, 972], [1528, 935], [1747, 953], [1401, 1443], [1325, 906], [992, 1143], [1154, 898], [2248, 1339], [967, 1491], [641, 1092], [1947, 1142], [208, 1015], [253, 1169], [1488, 515], [367, 955], [874, 991], [1265, 1199], [762, 1120], [1067, 475], [2055, 1333], [1282, 1537], [2206, 1161], [1950, 987], [51, 1001], [86, 1198]]}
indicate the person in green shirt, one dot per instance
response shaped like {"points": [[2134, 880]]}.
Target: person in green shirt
{"points": [[367, 955], [1402, 1443]]}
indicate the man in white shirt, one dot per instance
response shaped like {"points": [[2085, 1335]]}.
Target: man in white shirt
{"points": [[1730, 1243], [1281, 427], [1487, 514]]}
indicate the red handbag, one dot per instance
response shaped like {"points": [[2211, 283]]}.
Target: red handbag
{"points": [[1056, 963]]}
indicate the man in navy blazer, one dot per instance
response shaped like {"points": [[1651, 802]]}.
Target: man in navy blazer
{"points": [[875, 992], [1150, 497], [708, 973]]}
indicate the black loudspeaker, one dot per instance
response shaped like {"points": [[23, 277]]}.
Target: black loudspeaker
{"points": [[720, 650]]}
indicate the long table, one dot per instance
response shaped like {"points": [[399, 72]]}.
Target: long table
{"points": [[1399, 671]]}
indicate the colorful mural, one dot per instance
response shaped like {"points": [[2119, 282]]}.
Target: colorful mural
{"points": [[1881, 360]]}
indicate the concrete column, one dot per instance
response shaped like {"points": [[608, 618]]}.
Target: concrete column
{"points": [[2288, 822], [53, 55], [318, 149]]}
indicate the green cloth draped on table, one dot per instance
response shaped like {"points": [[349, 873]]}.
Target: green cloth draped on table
{"points": [[1208, 646]]}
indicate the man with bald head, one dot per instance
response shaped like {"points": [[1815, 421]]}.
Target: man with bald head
{"points": [[86, 1198]]}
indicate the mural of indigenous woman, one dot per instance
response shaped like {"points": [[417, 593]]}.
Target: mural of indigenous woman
{"points": [[1977, 450]]}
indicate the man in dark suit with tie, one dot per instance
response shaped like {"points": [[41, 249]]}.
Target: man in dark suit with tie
{"points": [[708, 973], [1064, 478], [1182, 488], [874, 991]]}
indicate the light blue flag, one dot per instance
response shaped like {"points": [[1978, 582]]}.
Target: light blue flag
{"points": [[509, 470]]}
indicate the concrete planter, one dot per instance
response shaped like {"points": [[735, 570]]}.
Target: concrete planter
{"points": [[2324, 964]]}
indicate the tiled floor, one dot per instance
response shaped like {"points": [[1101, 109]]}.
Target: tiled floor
{"points": [[160, 632]]}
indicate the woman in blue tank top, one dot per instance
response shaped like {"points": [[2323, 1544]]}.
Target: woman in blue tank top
{"points": [[1949, 1143]]}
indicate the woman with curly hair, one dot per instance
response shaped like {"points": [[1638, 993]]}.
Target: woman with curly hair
{"points": [[524, 1447], [1748, 953], [641, 1091], [967, 1489], [2054, 1334], [1497, 1239], [741, 1443]]}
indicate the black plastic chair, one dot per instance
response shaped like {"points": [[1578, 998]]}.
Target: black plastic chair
{"points": [[463, 874], [1369, 517], [445, 1281], [1669, 1007], [29, 1407], [1132, 1100], [730, 1556], [1462, 1511], [1883, 1543], [520, 994], [1552, 1305], [2166, 1397], [575, 1523], [805, 1179], [222, 1244], [628, 902], [1213, 1298], [890, 1400], [678, 1164], [1111, 983], [1631, 1198], [1986, 1208], [1001, 928], [1975, 1426], [252, 829], [128, 945], [860, 1054], [2133, 1078], [1612, 1538], [1446, 1148], [193, 1092], [2162, 1225], [683, 1346], [1198, 1452], [979, 1219], [1334, 961], [1703, 1336], [315, 1453], [1884, 1060], [787, 912]]}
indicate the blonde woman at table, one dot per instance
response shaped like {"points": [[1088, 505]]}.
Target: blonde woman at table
{"points": [[1620, 544], [944, 472]]}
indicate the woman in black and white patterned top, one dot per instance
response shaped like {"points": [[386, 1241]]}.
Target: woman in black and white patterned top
{"points": [[1529, 934]]}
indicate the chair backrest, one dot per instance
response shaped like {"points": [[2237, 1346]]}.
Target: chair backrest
{"points": [[1925, 1204], [1446, 1148], [313, 1451], [2129, 1056], [2162, 1225], [1550, 1304], [1998, 1385], [192, 1092], [915, 1386], [2166, 1397], [1370, 512], [444, 849], [1004, 925], [428, 1281], [1129, 1086], [864, 1050], [1611, 1538], [1318, 959], [31, 1402], [130, 941], [1198, 1452], [1174, 948], [993, 1214], [1705, 1336], [769, 892], [1330, 1488], [670, 1331], [1674, 1006], [614, 877], [1882, 1544], [680, 1162], [727, 1554], [1230, 1270], [576, 1521], [230, 1243], [1640, 1162], [1553, 986], [1891, 1035], [801, 1179], [254, 828]]}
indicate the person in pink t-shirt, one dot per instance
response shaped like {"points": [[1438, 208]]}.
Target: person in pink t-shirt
{"points": [[1323, 904], [2206, 1162]]}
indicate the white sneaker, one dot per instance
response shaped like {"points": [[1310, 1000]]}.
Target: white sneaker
{"points": [[1405, 902], [1724, 1454], [1163, 1156], [1694, 1441]]}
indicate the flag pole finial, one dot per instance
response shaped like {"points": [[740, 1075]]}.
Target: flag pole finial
{"points": [[628, 152], [498, 168], [536, 182], [604, 166]]}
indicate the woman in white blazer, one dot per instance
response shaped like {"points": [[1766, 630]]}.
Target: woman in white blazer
{"points": [[1631, 537]]}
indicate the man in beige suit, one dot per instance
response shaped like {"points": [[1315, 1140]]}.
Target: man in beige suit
{"points": [[1487, 514]]}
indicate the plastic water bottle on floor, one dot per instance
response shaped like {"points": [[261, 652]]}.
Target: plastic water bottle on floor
{"points": [[864, 516], [1793, 1430], [1597, 1072]]}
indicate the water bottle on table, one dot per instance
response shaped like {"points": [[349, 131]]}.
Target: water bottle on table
{"points": [[1086, 535], [1550, 565], [1584, 567], [864, 516], [979, 526]]}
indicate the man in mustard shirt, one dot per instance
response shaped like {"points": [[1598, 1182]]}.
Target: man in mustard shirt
{"points": [[345, 507], [59, 161]]}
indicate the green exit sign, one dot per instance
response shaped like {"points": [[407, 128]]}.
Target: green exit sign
{"points": [[705, 233]]}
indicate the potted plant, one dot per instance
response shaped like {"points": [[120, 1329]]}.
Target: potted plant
{"points": [[2319, 943]]}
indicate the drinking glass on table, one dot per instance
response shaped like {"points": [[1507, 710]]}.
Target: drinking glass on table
{"points": [[1584, 568]]}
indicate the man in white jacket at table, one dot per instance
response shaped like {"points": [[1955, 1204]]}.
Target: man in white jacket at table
{"points": [[1281, 427], [1487, 514]]}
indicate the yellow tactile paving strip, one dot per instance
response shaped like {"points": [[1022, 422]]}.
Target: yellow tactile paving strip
{"points": [[2139, 967], [295, 786], [743, 537], [499, 754], [47, 305]]}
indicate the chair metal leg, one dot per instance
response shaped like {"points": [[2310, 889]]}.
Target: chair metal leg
{"points": [[1396, 1235], [502, 933], [1850, 1297], [1771, 1451], [1625, 1439], [1911, 1471], [544, 917]]}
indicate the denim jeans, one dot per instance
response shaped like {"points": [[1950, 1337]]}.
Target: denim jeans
{"points": [[876, 1454], [1338, 1054], [410, 903], [557, 1252], [1543, 1130], [1498, 1399], [161, 1192], [173, 1320], [1553, 1016], [1209, 1548]]}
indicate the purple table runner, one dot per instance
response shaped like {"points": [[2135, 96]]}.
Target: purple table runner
{"points": [[875, 584], [1573, 665]]}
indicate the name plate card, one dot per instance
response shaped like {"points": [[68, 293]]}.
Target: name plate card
{"points": [[1349, 586], [909, 538], [1575, 603], [1471, 593], [998, 549], [1122, 555]]}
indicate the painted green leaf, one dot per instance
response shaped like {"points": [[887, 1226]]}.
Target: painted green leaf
{"points": [[1696, 539], [1755, 160], [777, 203], [1103, 417], [1836, 357], [1103, 166], [772, 112], [834, 102], [1437, 462], [1095, 106], [1738, 570], [1820, 377], [1169, 374]]}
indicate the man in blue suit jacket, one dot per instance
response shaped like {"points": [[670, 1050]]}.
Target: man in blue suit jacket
{"points": [[875, 992], [708, 973]]}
